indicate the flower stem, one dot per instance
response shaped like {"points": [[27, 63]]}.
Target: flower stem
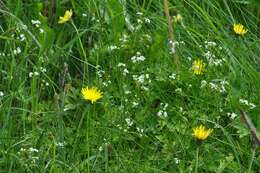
{"points": [[88, 152], [197, 160]]}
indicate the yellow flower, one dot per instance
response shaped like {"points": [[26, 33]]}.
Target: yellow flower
{"points": [[201, 133], [198, 67], [67, 16], [91, 94], [239, 29]]}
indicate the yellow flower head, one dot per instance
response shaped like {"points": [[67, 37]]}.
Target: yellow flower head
{"points": [[67, 16], [91, 94], [198, 67], [201, 133], [239, 29]]}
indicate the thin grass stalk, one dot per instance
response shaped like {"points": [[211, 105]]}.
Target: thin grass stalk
{"points": [[171, 34]]}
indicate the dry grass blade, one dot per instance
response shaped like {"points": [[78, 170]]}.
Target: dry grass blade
{"points": [[170, 32], [245, 118]]}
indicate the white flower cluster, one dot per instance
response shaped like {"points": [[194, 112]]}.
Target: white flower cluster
{"points": [[100, 73], [163, 113], [36, 73], [141, 20], [21, 37], [31, 74], [29, 155], [2, 54], [106, 83], [17, 51], [44, 83], [124, 38], [140, 131], [141, 79], [137, 58], [125, 70], [144, 80], [247, 103], [217, 85], [112, 48], [37, 24], [210, 56], [60, 144], [173, 45], [129, 122], [135, 104], [172, 76], [232, 115]]}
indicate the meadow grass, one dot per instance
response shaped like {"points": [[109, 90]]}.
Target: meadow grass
{"points": [[145, 119]]}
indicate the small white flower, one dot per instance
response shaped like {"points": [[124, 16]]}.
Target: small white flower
{"points": [[178, 90], [139, 21], [127, 92], [129, 122], [1, 93], [203, 83], [125, 72], [172, 76], [177, 161], [159, 114], [243, 101], [33, 150], [145, 88], [31, 74], [165, 114], [36, 73], [147, 20], [232, 115], [139, 13], [35, 22], [60, 144], [17, 51], [137, 58], [121, 65], [213, 86], [135, 104], [22, 37], [41, 30], [112, 47], [252, 106]]}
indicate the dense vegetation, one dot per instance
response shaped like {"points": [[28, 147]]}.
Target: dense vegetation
{"points": [[144, 122]]}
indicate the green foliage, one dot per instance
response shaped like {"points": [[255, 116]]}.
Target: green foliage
{"points": [[144, 121]]}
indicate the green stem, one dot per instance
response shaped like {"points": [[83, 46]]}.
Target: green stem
{"points": [[85, 67], [251, 161], [88, 153], [197, 160]]}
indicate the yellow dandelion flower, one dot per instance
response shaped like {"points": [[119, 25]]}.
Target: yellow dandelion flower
{"points": [[92, 94], [239, 29], [198, 67], [201, 133], [67, 16]]}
